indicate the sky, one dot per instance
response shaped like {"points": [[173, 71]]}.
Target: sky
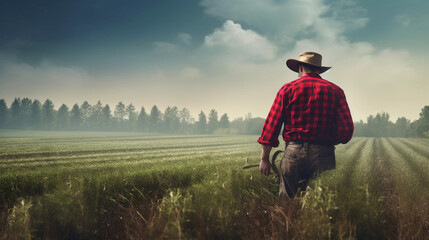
{"points": [[227, 55]]}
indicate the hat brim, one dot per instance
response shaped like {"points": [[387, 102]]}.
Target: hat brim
{"points": [[292, 64]]}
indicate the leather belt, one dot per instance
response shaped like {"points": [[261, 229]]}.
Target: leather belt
{"points": [[323, 143]]}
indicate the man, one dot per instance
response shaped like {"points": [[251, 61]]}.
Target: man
{"points": [[316, 117]]}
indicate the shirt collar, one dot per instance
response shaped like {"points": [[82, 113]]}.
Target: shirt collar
{"points": [[312, 75]]}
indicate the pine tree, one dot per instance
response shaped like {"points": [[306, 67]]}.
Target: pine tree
{"points": [[95, 120], [143, 120], [224, 121], [106, 116], [36, 114], [63, 117], [3, 113], [171, 120], [213, 121], [75, 118], [132, 116], [185, 120], [86, 111], [26, 113], [202, 123], [48, 114], [154, 119], [15, 114]]}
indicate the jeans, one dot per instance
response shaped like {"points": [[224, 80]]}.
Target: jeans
{"points": [[300, 163]]}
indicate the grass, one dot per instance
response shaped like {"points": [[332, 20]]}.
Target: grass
{"points": [[130, 186]]}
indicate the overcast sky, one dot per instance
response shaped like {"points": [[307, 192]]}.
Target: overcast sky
{"points": [[223, 54]]}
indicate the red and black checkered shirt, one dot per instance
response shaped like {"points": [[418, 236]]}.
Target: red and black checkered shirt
{"points": [[311, 109]]}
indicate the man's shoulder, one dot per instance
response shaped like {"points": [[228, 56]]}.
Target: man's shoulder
{"points": [[307, 81]]}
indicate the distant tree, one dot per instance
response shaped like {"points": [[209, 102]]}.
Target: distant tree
{"points": [[143, 120], [63, 117], [239, 125], [48, 114], [401, 127], [75, 118], [379, 125], [420, 127], [106, 116], [360, 129], [224, 121], [185, 116], [185, 120], [3, 113], [254, 125], [36, 114], [96, 116], [213, 121], [154, 119], [15, 113], [120, 112], [171, 120], [132, 117], [202, 123], [85, 111], [26, 113]]}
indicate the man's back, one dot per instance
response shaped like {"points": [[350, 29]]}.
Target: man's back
{"points": [[312, 109]]}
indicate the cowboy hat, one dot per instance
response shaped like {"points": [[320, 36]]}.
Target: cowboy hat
{"points": [[309, 58]]}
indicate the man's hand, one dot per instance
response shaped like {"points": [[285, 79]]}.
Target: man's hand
{"points": [[265, 167]]}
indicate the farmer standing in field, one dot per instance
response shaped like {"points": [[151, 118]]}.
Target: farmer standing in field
{"points": [[316, 117]]}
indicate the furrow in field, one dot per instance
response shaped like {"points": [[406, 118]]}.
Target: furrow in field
{"points": [[385, 184], [424, 140], [407, 206], [85, 160], [131, 165], [351, 159], [41, 147], [417, 163], [365, 164], [146, 154], [110, 150], [381, 170], [343, 148], [416, 145]]}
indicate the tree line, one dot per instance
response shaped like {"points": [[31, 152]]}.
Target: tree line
{"points": [[34, 115], [31, 114], [380, 125]]}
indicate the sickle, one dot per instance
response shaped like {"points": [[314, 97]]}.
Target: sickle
{"points": [[273, 165]]}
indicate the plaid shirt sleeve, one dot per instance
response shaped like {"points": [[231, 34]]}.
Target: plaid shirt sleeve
{"points": [[273, 123], [344, 128]]}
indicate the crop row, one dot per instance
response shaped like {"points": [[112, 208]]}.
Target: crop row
{"points": [[193, 187]]}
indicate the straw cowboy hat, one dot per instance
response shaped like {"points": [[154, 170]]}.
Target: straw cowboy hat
{"points": [[309, 58]]}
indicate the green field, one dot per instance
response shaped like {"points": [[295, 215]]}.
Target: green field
{"points": [[59, 185]]}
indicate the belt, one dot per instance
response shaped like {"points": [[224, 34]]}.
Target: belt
{"points": [[318, 142]]}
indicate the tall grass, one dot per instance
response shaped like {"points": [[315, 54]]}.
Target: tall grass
{"points": [[131, 187]]}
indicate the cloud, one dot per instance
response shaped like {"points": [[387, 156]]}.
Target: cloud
{"points": [[348, 13], [165, 47], [184, 38], [283, 21], [372, 78], [233, 42], [404, 20]]}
